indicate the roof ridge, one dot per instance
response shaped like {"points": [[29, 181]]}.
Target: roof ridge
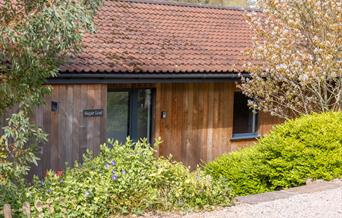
{"points": [[186, 4]]}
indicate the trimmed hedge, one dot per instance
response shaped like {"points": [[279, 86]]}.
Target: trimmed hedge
{"points": [[309, 147]]}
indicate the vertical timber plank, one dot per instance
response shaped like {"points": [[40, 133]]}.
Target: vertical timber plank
{"points": [[69, 121], [195, 148], [187, 142], [96, 132], [226, 114], [230, 113], [103, 120], [168, 121], [185, 135], [162, 121], [62, 120], [83, 121], [210, 122], [91, 133], [40, 124], [204, 87], [76, 117], [47, 123], [156, 123], [199, 126], [222, 118], [175, 146], [54, 131]]}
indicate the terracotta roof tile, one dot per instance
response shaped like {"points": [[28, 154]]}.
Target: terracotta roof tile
{"points": [[137, 36]]}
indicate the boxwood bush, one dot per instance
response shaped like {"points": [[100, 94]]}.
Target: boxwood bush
{"points": [[125, 179], [309, 147]]}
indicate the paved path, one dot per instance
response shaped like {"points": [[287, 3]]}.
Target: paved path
{"points": [[316, 200]]}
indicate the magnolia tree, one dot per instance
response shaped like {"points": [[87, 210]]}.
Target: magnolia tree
{"points": [[296, 57]]}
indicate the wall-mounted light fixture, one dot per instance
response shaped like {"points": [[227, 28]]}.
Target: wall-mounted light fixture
{"points": [[163, 114]]}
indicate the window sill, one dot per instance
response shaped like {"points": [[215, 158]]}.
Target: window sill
{"points": [[243, 136]]}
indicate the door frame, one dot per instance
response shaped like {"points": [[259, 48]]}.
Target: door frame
{"points": [[133, 112]]}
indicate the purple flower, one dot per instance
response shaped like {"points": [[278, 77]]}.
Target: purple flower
{"points": [[114, 177], [123, 172], [107, 166], [113, 163], [49, 190]]}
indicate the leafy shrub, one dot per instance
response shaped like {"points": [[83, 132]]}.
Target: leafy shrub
{"points": [[308, 147], [125, 179], [17, 153]]}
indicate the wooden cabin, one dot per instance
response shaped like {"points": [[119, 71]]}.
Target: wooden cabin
{"points": [[153, 69]]}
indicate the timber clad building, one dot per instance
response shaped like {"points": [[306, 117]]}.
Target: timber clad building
{"points": [[153, 69]]}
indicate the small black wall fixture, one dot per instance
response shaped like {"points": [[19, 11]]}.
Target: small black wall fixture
{"points": [[163, 114], [54, 106]]}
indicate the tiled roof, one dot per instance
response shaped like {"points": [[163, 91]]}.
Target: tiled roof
{"points": [[134, 36]]}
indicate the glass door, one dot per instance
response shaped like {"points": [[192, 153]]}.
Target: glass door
{"points": [[117, 115], [129, 113]]}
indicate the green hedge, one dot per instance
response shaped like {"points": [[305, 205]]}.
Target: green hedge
{"points": [[125, 179], [307, 147]]}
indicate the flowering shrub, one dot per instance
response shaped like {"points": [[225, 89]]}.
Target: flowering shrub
{"points": [[309, 147], [296, 53], [125, 179]]}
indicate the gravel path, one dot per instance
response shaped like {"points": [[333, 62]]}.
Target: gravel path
{"points": [[319, 200], [324, 204]]}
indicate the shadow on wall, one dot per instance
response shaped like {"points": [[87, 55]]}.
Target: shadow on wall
{"points": [[70, 132]]}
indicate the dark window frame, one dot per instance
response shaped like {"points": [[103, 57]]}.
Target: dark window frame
{"points": [[132, 123], [254, 126]]}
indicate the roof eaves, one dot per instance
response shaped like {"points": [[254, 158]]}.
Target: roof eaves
{"points": [[144, 78]]}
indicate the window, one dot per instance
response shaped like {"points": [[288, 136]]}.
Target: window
{"points": [[245, 120], [129, 113]]}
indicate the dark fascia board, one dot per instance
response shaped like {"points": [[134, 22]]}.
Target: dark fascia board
{"points": [[94, 78]]}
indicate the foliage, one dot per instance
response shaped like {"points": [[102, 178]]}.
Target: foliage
{"points": [[298, 47], [35, 37], [308, 147], [125, 179], [16, 156]]}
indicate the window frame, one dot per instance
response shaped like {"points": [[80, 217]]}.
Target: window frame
{"points": [[255, 125], [132, 112]]}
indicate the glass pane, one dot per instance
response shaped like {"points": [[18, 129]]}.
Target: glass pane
{"points": [[144, 113], [244, 120], [117, 115]]}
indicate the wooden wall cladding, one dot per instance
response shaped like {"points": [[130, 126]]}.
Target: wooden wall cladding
{"points": [[267, 122], [198, 125], [199, 121], [70, 133]]}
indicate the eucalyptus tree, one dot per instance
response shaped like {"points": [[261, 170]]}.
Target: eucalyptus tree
{"points": [[35, 37]]}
